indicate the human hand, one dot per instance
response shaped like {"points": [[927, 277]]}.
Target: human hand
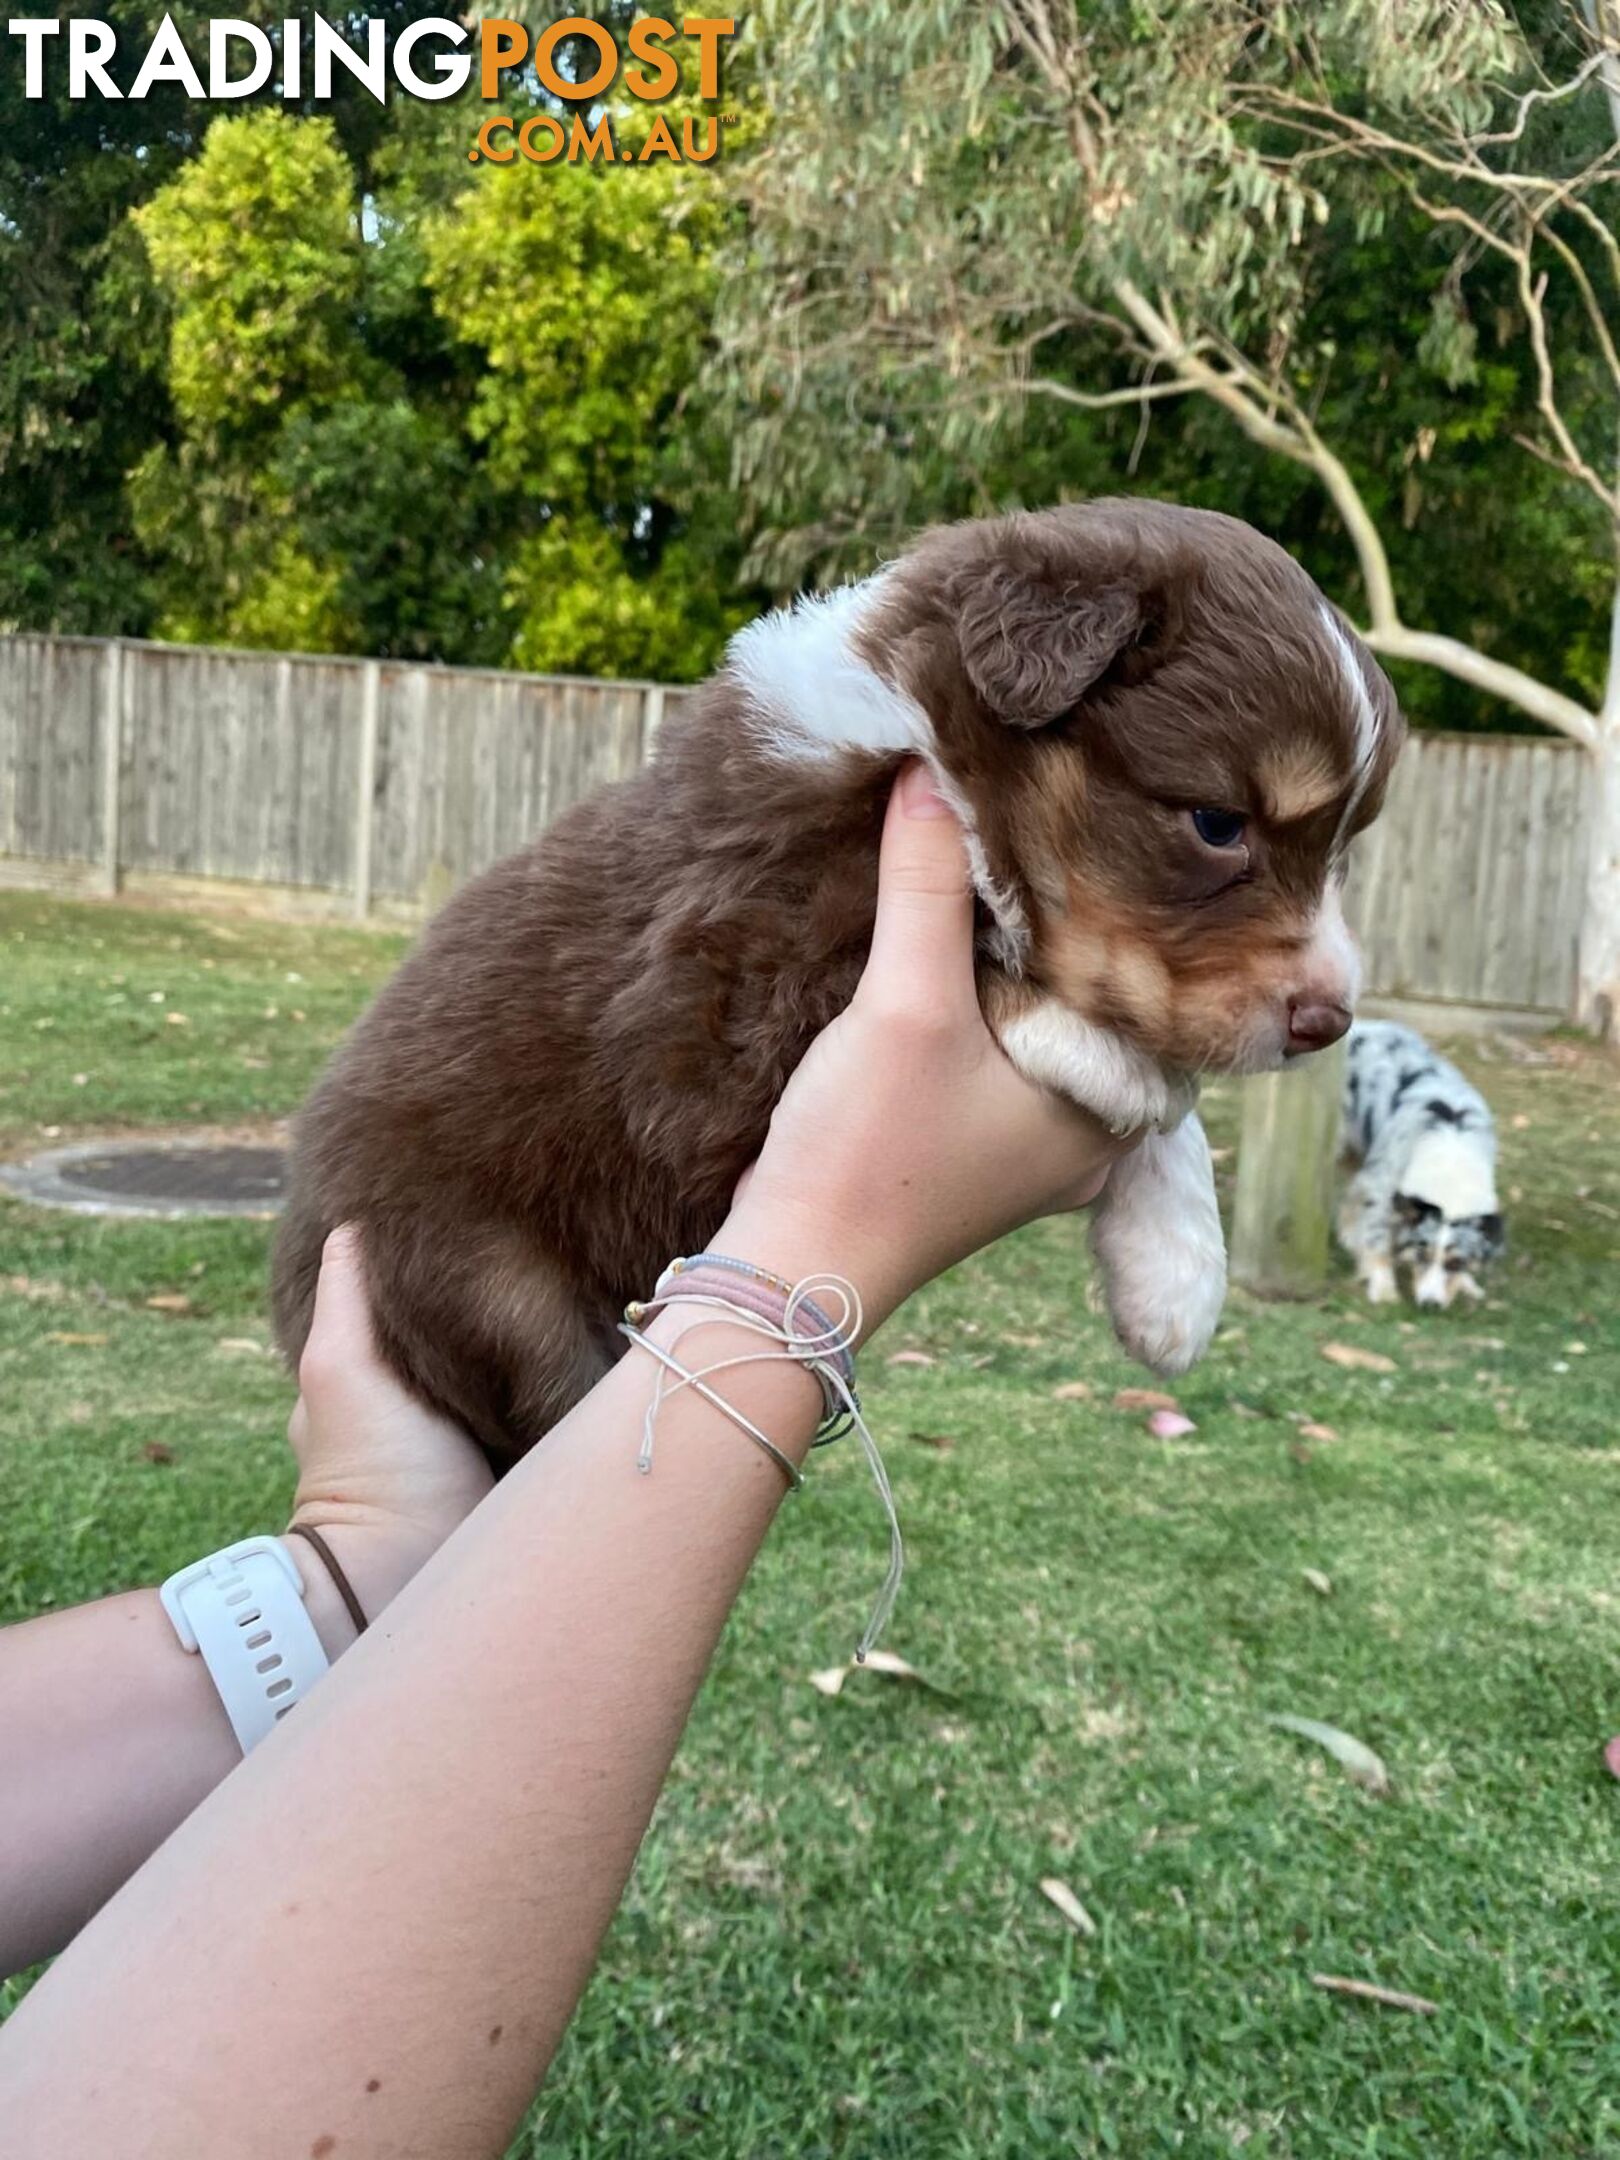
{"points": [[906, 1140], [383, 1479]]}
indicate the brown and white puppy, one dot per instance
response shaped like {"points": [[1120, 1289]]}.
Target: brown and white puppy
{"points": [[1159, 738]]}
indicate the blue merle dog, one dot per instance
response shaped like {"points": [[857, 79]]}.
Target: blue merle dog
{"points": [[1424, 1194]]}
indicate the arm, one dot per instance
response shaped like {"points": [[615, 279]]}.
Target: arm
{"points": [[370, 1938], [110, 1734]]}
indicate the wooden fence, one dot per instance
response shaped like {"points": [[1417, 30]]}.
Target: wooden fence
{"points": [[377, 786], [1468, 889]]}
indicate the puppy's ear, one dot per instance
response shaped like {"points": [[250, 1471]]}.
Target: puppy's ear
{"points": [[1032, 649]]}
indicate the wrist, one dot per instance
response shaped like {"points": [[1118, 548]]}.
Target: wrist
{"points": [[796, 1241], [378, 1560], [776, 1390]]}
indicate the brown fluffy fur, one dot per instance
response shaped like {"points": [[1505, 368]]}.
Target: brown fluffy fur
{"points": [[561, 1086]]}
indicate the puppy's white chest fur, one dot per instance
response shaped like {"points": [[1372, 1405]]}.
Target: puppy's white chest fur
{"points": [[1156, 1228], [1102, 1072]]}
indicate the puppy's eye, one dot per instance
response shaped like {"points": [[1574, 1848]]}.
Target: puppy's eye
{"points": [[1219, 828]]}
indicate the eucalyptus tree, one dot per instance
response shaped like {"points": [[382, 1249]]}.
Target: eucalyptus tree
{"points": [[963, 209]]}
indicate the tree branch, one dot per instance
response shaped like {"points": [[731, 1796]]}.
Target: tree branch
{"points": [[1296, 439], [1103, 400], [1293, 438], [1495, 677], [1531, 297]]}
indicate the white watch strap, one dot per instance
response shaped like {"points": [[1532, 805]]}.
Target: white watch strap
{"points": [[243, 1609]]}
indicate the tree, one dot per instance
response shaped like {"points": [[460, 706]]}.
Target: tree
{"points": [[255, 248], [1104, 205], [588, 298], [435, 420], [83, 340]]}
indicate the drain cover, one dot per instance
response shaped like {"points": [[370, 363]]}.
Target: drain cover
{"points": [[145, 1177]]}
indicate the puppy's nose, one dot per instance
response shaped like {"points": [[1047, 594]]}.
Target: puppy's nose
{"points": [[1313, 1025]]}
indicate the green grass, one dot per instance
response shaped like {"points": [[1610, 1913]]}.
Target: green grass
{"points": [[834, 1943]]}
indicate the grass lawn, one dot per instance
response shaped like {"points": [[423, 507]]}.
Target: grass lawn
{"points": [[835, 1943]]}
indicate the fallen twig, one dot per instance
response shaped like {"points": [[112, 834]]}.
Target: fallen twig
{"points": [[1365, 1991]]}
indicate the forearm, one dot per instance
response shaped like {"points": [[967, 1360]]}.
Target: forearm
{"points": [[110, 1734], [497, 1743]]}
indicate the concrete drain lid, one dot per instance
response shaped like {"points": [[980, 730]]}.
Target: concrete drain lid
{"points": [[145, 1177]]}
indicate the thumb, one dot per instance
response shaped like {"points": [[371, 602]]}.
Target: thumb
{"points": [[340, 1329], [922, 941]]}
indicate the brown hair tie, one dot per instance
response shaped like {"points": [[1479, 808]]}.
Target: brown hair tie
{"points": [[352, 1605]]}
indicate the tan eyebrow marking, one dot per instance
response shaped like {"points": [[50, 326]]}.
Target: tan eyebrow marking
{"points": [[1298, 781]]}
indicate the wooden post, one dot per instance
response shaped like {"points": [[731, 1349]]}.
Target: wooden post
{"points": [[366, 787], [1282, 1220], [112, 761]]}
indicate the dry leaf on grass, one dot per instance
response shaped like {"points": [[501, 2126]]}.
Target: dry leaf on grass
{"points": [[1059, 1894], [1365, 1991], [1169, 1424], [1317, 1581], [24, 1286], [1354, 1359], [158, 1451], [1360, 1764], [1144, 1398], [1317, 1432], [174, 1301], [242, 1345], [77, 1342], [831, 1680], [941, 1443], [909, 1357], [1074, 1391]]}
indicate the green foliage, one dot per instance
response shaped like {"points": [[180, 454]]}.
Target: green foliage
{"points": [[312, 380], [256, 250], [392, 496], [588, 298], [580, 609], [335, 392], [84, 396], [947, 260]]}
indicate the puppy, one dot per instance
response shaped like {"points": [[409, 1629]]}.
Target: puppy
{"points": [[1424, 1197], [1159, 738]]}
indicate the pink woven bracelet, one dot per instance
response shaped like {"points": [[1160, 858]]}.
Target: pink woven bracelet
{"points": [[781, 1305]]}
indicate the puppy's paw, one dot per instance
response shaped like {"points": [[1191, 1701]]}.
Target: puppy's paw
{"points": [[1169, 1321], [1378, 1280], [1156, 1233]]}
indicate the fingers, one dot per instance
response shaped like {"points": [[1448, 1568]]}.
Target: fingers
{"points": [[922, 942]]}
